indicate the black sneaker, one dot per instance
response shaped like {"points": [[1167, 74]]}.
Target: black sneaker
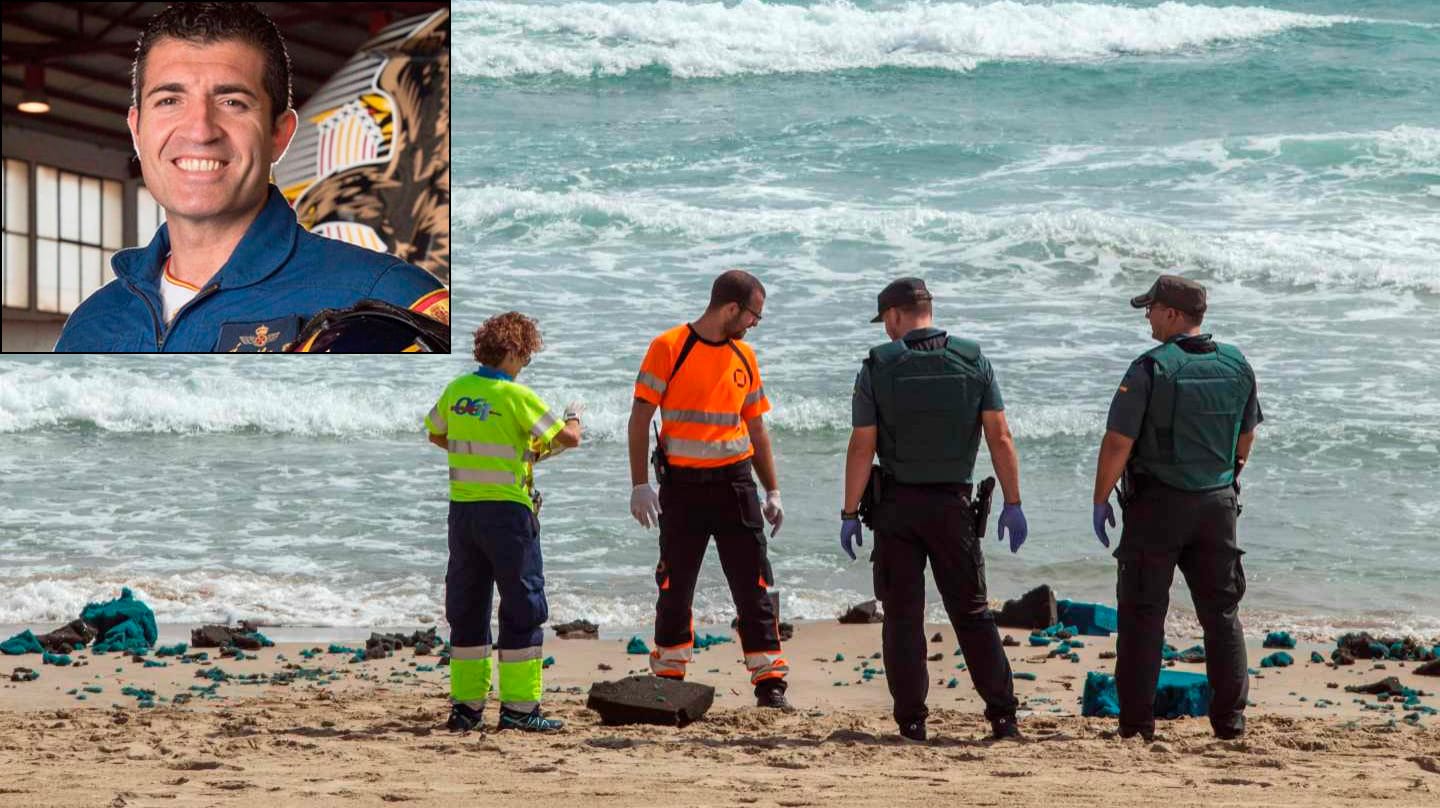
{"points": [[1230, 733], [772, 696], [913, 731], [1005, 729], [1131, 732], [464, 718], [532, 721]]}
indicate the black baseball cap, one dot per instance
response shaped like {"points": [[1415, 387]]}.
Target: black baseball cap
{"points": [[899, 293], [1175, 292]]}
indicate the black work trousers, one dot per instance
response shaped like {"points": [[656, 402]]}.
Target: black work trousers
{"points": [[1165, 528], [915, 524], [724, 503]]}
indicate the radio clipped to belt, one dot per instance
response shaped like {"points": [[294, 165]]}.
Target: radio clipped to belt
{"points": [[658, 460], [980, 506]]}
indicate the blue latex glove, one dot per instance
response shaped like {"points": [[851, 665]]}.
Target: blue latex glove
{"points": [[1013, 520], [850, 529], [1102, 513]]}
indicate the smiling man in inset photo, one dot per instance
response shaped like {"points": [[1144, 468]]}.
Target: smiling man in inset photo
{"points": [[231, 269]]}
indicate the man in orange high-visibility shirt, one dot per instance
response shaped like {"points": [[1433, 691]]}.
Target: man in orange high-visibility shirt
{"points": [[706, 383]]}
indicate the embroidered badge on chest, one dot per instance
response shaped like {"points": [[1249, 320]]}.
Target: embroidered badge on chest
{"points": [[268, 336]]}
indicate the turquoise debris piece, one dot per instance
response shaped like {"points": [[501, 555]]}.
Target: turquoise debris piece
{"points": [[549, 660], [1315, 657], [1090, 619], [1194, 654], [1029, 677], [1279, 659], [125, 610], [953, 682], [1279, 639], [637, 646], [55, 659], [178, 649], [23, 643], [1040, 639], [1177, 694], [839, 657], [703, 641]]}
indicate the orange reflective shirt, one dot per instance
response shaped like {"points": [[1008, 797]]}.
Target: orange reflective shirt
{"points": [[703, 407]]}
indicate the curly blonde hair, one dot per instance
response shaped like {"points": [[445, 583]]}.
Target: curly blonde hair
{"points": [[511, 333]]}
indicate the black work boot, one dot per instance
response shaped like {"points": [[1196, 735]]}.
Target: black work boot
{"points": [[771, 693], [464, 718], [1005, 729], [913, 731], [1147, 733], [1235, 729]]}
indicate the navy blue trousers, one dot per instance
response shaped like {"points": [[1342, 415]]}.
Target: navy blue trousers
{"points": [[495, 545]]}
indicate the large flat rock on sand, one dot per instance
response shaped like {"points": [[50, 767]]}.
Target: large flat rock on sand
{"points": [[650, 700]]}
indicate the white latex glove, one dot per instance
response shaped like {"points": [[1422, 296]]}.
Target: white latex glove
{"points": [[575, 410], [645, 505], [774, 511]]}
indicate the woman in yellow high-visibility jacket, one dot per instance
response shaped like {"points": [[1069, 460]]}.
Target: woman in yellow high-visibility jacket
{"points": [[490, 425]]}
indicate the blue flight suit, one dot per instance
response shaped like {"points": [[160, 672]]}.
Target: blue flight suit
{"points": [[279, 276]]}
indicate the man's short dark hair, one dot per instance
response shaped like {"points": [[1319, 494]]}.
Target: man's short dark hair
{"points": [[207, 23], [920, 308], [735, 286]]}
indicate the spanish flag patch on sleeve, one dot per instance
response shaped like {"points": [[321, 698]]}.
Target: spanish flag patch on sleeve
{"points": [[435, 305]]}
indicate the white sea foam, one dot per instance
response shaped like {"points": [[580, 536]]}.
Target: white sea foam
{"points": [[135, 399], [1367, 249], [210, 596], [696, 40]]}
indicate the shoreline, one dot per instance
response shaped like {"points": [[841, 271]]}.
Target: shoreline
{"points": [[372, 733]]}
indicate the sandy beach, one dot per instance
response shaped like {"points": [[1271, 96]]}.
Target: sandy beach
{"points": [[372, 733]]}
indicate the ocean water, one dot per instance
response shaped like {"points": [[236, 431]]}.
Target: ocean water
{"points": [[1036, 162]]}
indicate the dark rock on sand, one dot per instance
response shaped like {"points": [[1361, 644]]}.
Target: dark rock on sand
{"points": [[577, 630], [650, 700], [867, 612], [1034, 609]]}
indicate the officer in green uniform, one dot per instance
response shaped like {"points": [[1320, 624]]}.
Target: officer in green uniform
{"points": [[921, 402], [1180, 428], [494, 429]]}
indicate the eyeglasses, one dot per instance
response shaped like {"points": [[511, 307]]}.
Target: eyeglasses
{"points": [[751, 312]]}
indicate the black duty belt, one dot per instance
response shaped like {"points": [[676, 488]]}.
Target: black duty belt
{"points": [[940, 488], [690, 476]]}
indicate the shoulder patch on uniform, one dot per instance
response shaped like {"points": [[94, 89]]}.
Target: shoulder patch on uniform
{"points": [[435, 305], [1124, 389]]}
